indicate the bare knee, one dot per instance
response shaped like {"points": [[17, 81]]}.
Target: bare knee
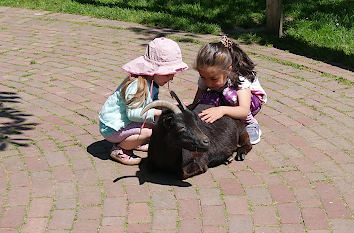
{"points": [[145, 133]]}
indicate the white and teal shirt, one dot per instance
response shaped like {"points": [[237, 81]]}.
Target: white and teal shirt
{"points": [[115, 115]]}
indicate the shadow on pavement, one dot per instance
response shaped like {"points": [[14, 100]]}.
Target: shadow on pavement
{"points": [[12, 122], [145, 175], [101, 150]]}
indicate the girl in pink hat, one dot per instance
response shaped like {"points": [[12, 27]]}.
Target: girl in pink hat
{"points": [[120, 120]]}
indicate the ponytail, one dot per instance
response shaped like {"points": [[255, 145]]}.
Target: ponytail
{"points": [[141, 93], [242, 65]]}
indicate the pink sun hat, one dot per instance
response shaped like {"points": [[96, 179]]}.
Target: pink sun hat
{"points": [[162, 57]]}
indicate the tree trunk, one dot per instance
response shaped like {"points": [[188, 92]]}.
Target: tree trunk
{"points": [[275, 17]]}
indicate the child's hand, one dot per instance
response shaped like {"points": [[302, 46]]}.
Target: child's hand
{"points": [[211, 114], [157, 112]]}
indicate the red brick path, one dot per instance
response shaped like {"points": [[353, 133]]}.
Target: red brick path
{"points": [[56, 71]]}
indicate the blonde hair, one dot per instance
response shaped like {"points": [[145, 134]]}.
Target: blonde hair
{"points": [[141, 93]]}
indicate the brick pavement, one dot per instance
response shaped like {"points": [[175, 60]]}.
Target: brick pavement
{"points": [[56, 71]]}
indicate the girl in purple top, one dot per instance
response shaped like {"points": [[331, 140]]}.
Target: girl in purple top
{"points": [[229, 83]]}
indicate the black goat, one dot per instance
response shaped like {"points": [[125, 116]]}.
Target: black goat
{"points": [[183, 144]]}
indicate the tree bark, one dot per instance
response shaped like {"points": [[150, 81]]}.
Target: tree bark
{"points": [[275, 17]]}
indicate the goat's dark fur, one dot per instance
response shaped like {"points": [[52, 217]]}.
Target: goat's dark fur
{"points": [[185, 145]]}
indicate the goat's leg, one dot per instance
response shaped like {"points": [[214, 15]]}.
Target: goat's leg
{"points": [[245, 146], [197, 166]]}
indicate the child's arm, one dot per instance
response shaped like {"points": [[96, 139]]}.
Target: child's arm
{"points": [[237, 112]]}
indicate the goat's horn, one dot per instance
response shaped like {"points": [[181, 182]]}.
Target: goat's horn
{"points": [[181, 104], [161, 103]]}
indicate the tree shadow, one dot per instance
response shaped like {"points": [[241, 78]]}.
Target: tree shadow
{"points": [[250, 15], [101, 150], [300, 47], [210, 11], [13, 122]]}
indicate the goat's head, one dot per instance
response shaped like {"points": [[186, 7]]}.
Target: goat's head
{"points": [[182, 125]]}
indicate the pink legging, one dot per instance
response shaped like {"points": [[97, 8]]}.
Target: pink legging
{"points": [[132, 129]]}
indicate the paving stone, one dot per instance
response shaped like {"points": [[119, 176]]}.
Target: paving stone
{"points": [[139, 213], [131, 228], [42, 188], [266, 230], [40, 207], [163, 200], [342, 225], [19, 179], [331, 201], [259, 195], [190, 226], [165, 220], [210, 196], [230, 186], [36, 164], [292, 228], [189, 209], [185, 193], [114, 207], [236, 205], [109, 229], [248, 178], [240, 223], [35, 225], [62, 219], [281, 193], [56, 158], [89, 196], [12, 217], [314, 218], [289, 213], [265, 215], [86, 226], [18, 196], [213, 215]]}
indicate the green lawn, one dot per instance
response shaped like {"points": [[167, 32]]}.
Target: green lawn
{"points": [[322, 29]]}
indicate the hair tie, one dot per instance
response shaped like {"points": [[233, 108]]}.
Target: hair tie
{"points": [[226, 41]]}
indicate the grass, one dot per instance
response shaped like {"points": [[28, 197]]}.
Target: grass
{"points": [[322, 29]]}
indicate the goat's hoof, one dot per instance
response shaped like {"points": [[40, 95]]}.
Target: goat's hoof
{"points": [[229, 160], [240, 157]]}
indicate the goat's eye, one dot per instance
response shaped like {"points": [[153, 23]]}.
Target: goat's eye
{"points": [[181, 130]]}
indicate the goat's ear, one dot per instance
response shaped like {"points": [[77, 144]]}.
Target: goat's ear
{"points": [[181, 105], [193, 105], [166, 121]]}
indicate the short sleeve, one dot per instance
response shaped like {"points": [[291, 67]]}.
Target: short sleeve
{"points": [[244, 83]]}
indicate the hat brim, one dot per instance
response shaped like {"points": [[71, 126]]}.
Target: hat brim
{"points": [[140, 66]]}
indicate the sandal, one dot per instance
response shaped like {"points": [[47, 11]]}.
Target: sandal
{"points": [[143, 148], [123, 156]]}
